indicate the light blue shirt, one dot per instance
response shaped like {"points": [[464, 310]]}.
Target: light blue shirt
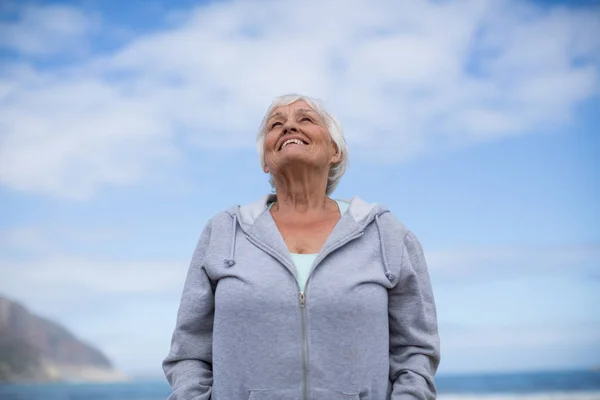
{"points": [[304, 262]]}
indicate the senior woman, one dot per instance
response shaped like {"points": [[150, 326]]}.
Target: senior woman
{"points": [[298, 296]]}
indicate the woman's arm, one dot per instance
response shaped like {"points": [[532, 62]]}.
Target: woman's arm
{"points": [[414, 340], [188, 367]]}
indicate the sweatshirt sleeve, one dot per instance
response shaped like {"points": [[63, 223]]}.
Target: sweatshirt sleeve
{"points": [[414, 340], [188, 366]]}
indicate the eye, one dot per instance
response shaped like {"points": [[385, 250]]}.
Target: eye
{"points": [[275, 124], [305, 119]]}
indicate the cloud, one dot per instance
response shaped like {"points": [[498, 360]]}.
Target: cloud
{"points": [[68, 138], [125, 306], [531, 335], [519, 348], [482, 263], [24, 240], [139, 298], [44, 30], [53, 277], [404, 77], [127, 309]]}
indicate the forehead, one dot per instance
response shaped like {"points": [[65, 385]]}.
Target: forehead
{"points": [[297, 106]]}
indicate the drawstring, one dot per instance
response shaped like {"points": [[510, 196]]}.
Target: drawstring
{"points": [[230, 262], [390, 275]]}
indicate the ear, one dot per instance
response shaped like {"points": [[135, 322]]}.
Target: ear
{"points": [[337, 156], [265, 169]]}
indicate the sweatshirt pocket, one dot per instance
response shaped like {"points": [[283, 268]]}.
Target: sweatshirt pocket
{"points": [[279, 394], [326, 394]]}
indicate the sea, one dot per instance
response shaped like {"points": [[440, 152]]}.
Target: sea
{"points": [[556, 385]]}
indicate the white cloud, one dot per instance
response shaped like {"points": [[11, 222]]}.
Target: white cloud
{"points": [[70, 137], [24, 239], [47, 29], [532, 335], [33, 243], [127, 307], [404, 77], [519, 348], [481, 263], [79, 277]]}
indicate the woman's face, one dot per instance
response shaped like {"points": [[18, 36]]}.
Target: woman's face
{"points": [[296, 134]]}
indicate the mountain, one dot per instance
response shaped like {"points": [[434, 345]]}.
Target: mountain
{"points": [[35, 349]]}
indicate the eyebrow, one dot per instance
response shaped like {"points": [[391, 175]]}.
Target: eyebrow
{"points": [[305, 111], [276, 114], [301, 111]]}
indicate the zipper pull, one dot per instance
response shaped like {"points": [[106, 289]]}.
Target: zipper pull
{"points": [[302, 299]]}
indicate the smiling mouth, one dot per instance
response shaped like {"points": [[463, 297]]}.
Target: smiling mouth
{"points": [[291, 141]]}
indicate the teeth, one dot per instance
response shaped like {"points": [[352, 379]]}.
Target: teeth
{"points": [[296, 141]]}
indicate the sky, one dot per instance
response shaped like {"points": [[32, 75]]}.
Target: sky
{"points": [[125, 126]]}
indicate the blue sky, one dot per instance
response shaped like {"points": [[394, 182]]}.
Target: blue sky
{"points": [[124, 127]]}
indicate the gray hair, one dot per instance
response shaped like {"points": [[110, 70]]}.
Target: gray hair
{"points": [[334, 128]]}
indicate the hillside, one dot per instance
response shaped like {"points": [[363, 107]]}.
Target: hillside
{"points": [[35, 349]]}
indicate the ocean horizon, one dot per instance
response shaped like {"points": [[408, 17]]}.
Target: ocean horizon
{"points": [[542, 385]]}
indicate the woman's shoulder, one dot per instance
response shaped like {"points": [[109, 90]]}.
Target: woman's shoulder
{"points": [[219, 220], [362, 209], [394, 220], [390, 220], [244, 214]]}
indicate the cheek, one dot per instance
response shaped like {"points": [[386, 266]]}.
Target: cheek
{"points": [[268, 143], [326, 143], [322, 135], [269, 153]]}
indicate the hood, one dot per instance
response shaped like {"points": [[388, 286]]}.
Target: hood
{"points": [[361, 212], [250, 219]]}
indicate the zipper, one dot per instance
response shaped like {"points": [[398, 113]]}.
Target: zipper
{"points": [[302, 296], [302, 303], [302, 299]]}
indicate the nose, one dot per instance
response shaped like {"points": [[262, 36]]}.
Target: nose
{"points": [[290, 126]]}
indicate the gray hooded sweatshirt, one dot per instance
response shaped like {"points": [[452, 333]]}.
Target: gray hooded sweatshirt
{"points": [[364, 328]]}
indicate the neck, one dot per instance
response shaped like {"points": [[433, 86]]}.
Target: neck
{"points": [[300, 191]]}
